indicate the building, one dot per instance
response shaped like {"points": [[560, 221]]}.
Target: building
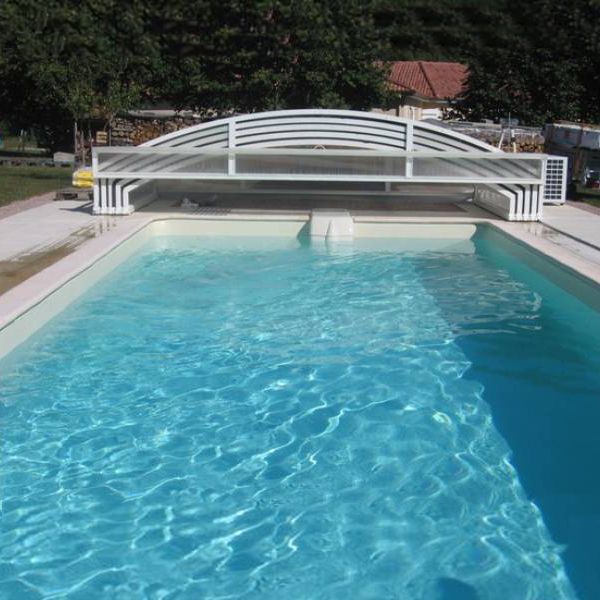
{"points": [[425, 88]]}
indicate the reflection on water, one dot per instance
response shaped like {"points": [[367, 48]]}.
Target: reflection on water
{"points": [[251, 423]]}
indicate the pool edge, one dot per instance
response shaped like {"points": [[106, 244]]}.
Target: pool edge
{"points": [[23, 305]]}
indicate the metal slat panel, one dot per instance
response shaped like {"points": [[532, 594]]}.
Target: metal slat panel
{"points": [[390, 138], [442, 142], [309, 124], [197, 133], [348, 139]]}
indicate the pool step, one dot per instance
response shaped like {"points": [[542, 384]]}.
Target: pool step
{"points": [[331, 224]]}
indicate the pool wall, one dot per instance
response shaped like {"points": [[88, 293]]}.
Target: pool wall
{"points": [[562, 275], [31, 305]]}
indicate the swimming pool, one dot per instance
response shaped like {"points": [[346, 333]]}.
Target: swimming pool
{"points": [[248, 418]]}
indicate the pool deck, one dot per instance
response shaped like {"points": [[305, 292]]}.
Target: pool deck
{"points": [[46, 245], [580, 223]]}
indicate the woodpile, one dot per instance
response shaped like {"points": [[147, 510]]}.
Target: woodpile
{"points": [[132, 131], [525, 139], [523, 142], [530, 144]]}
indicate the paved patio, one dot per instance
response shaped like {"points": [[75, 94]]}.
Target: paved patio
{"points": [[38, 232], [578, 222]]}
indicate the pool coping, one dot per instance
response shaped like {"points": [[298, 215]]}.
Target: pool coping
{"points": [[29, 294]]}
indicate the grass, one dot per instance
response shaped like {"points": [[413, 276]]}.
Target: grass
{"points": [[14, 146], [592, 201], [19, 183]]}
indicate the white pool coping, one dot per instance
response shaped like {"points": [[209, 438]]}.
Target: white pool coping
{"points": [[46, 293]]}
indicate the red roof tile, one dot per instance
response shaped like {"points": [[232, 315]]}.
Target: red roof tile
{"points": [[437, 80]]}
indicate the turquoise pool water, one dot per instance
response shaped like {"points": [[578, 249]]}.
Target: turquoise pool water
{"points": [[265, 419]]}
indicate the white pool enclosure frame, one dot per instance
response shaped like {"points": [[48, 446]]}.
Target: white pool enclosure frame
{"points": [[325, 148]]}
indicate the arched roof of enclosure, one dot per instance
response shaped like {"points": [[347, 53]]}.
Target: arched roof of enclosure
{"points": [[320, 127], [314, 145]]}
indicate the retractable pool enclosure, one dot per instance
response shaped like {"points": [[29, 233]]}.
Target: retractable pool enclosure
{"points": [[367, 153]]}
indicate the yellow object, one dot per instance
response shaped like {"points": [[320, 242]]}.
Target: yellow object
{"points": [[83, 178]]}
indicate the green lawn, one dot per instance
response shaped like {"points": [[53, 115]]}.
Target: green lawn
{"points": [[13, 145], [18, 183], [591, 200]]}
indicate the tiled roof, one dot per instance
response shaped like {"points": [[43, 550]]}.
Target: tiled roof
{"points": [[436, 80]]}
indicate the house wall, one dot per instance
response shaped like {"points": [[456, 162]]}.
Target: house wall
{"points": [[415, 109]]}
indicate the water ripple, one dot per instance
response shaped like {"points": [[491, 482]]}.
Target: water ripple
{"points": [[210, 423]]}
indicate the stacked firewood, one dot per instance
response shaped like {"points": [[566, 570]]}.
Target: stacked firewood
{"points": [[518, 143], [519, 139], [134, 131], [530, 144]]}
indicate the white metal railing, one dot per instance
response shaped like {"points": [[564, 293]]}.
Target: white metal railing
{"points": [[151, 163]]}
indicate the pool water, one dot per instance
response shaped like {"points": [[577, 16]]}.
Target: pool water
{"points": [[231, 418]]}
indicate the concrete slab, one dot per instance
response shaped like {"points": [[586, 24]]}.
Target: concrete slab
{"points": [[42, 234], [41, 226], [579, 224]]}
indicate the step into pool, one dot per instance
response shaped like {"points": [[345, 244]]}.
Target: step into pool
{"points": [[235, 417]]}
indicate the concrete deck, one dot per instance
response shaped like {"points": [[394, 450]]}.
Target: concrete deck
{"points": [[41, 226], [44, 226], [580, 224], [43, 233]]}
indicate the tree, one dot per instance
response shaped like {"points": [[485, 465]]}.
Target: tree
{"points": [[442, 30], [526, 83], [537, 60], [66, 60], [550, 71], [233, 56]]}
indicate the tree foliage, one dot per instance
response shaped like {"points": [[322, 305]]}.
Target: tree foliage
{"points": [[69, 59], [537, 60], [443, 30], [247, 56], [547, 72], [62, 60]]}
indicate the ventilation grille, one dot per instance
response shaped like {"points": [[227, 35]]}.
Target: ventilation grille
{"points": [[555, 190]]}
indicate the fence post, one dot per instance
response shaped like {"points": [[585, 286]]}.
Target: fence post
{"points": [[409, 148], [230, 146]]}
